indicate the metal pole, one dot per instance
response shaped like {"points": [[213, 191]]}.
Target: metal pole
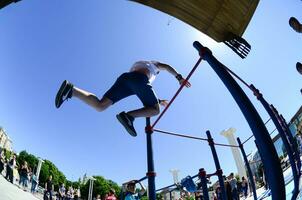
{"points": [[292, 141], [247, 164], [266, 146], [217, 165], [203, 180], [264, 169], [289, 148], [150, 162], [283, 137]]}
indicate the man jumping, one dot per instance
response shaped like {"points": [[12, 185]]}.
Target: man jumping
{"points": [[135, 82]]}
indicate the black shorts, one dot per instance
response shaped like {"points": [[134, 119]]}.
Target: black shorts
{"points": [[132, 83]]}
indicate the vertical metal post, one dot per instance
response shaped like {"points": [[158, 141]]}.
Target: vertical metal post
{"points": [[217, 165], [266, 146], [291, 140], [150, 162], [283, 137], [203, 180], [264, 169], [247, 164]]}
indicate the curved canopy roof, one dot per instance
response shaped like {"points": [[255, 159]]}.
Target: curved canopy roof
{"points": [[4, 3], [219, 19]]}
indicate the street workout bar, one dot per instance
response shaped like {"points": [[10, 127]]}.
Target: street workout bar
{"points": [[253, 135], [191, 137], [176, 94], [266, 147]]}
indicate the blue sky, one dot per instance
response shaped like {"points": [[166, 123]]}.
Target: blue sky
{"points": [[91, 44]]}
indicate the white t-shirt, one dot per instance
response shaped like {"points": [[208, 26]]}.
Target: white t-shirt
{"points": [[150, 65]]}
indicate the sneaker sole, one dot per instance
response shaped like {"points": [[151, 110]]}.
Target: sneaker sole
{"points": [[126, 127], [60, 92]]}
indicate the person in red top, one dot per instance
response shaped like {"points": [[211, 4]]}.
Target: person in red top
{"points": [[111, 195]]}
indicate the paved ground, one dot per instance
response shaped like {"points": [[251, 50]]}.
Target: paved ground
{"points": [[9, 191]]}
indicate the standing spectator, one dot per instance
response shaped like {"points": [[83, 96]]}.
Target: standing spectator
{"points": [[34, 183], [62, 192], [10, 169], [244, 186], [111, 195], [48, 188], [23, 175], [228, 188], [70, 193], [218, 193], [2, 160], [76, 194], [98, 197], [233, 183], [130, 194]]}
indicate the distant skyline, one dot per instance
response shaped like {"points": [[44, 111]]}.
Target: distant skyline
{"points": [[92, 43]]}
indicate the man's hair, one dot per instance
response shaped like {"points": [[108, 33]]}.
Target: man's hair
{"points": [[293, 20], [130, 184], [112, 191]]}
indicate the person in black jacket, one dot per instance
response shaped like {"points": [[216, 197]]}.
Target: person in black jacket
{"points": [[48, 188]]}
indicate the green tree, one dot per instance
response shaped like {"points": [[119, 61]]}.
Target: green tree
{"points": [[44, 174], [101, 186], [8, 154], [47, 169], [31, 160]]}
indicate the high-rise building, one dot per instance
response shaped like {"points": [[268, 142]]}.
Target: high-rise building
{"points": [[295, 124]]}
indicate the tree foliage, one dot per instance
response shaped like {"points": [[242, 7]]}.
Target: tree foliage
{"points": [[31, 160], [47, 169], [101, 186]]}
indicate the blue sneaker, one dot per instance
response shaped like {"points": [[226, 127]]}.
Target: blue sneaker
{"points": [[64, 93], [127, 121]]}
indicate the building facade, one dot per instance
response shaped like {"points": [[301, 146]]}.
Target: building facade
{"points": [[295, 126], [5, 141]]}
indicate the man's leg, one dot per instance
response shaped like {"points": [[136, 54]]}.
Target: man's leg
{"points": [[91, 99], [148, 111], [7, 172], [141, 87], [68, 90], [50, 195], [11, 175]]}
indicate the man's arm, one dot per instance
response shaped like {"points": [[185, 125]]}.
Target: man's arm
{"points": [[172, 71], [168, 68], [143, 190]]}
